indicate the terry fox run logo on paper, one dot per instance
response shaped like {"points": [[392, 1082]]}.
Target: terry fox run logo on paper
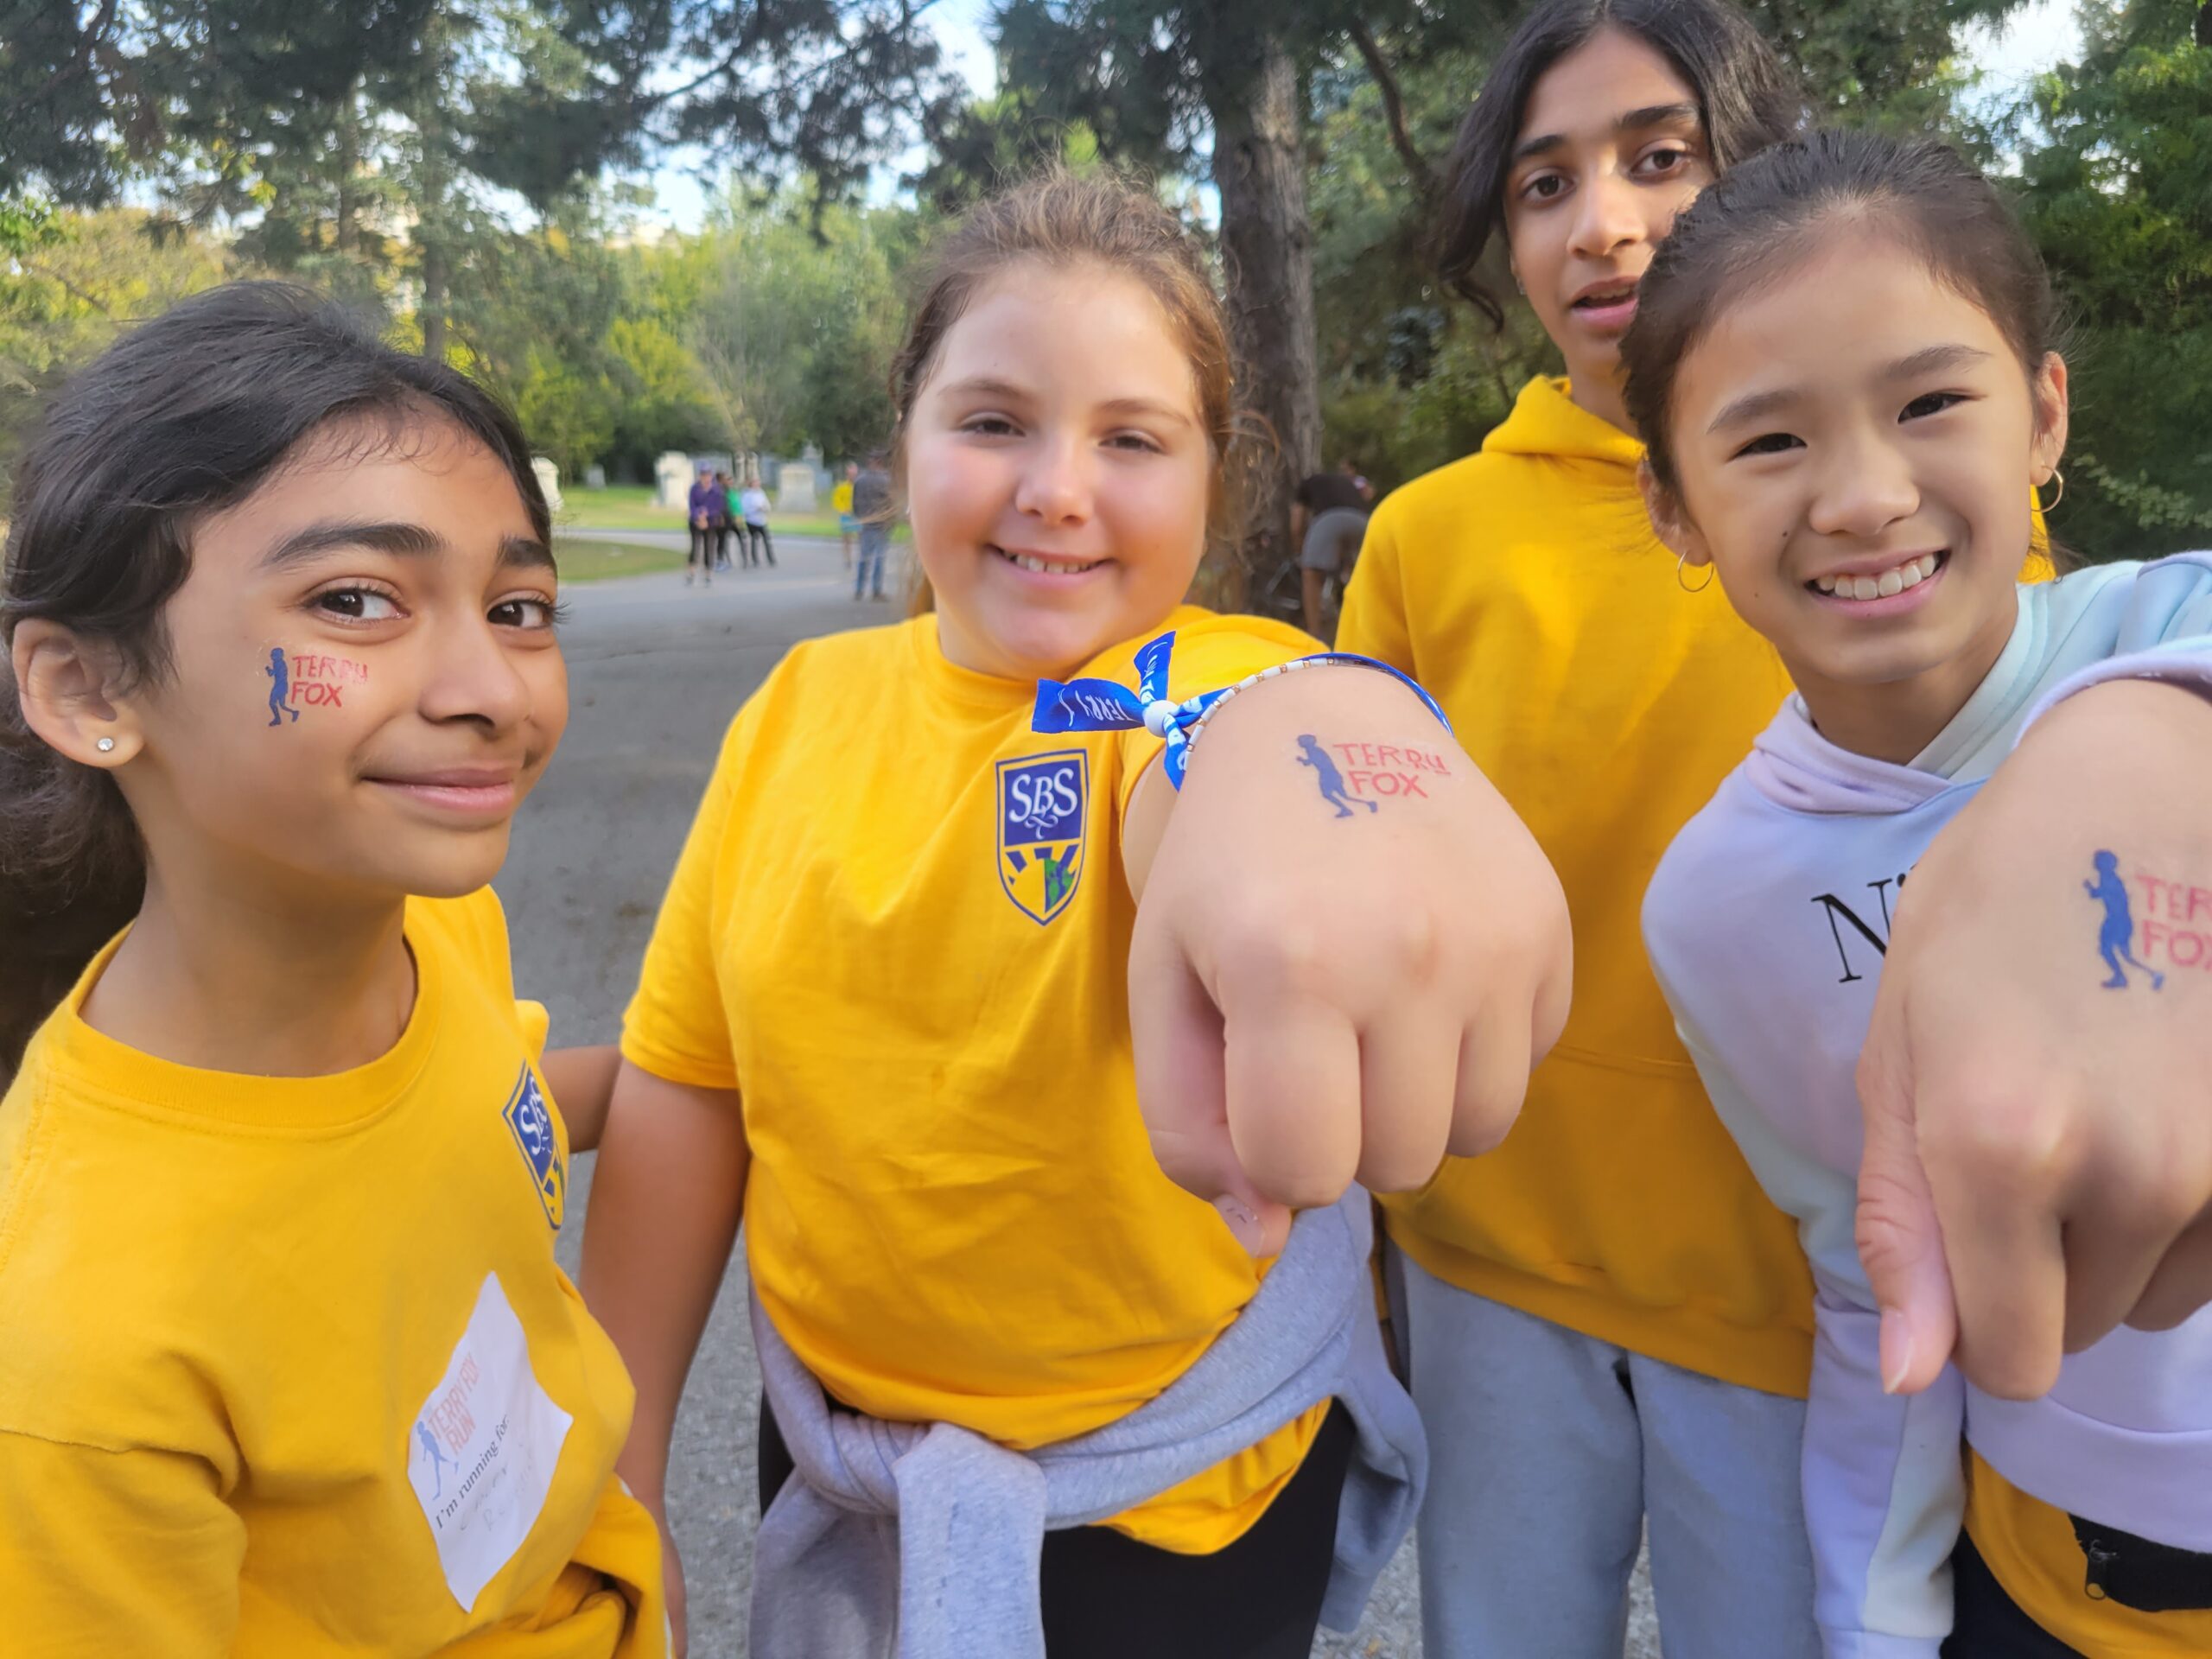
{"points": [[1044, 801], [482, 1450]]}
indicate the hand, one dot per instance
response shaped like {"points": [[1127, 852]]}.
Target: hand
{"points": [[1348, 952], [2038, 1159]]}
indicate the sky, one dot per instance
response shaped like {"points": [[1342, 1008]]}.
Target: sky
{"points": [[2035, 38]]}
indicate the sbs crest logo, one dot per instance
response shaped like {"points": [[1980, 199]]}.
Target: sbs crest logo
{"points": [[1044, 801]]}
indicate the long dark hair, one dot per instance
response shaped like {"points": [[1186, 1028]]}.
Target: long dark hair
{"points": [[1745, 101], [181, 416], [1757, 221]]}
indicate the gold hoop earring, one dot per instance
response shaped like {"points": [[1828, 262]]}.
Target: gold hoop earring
{"points": [[1680, 582], [2047, 508]]}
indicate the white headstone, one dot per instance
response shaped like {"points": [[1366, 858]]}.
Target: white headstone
{"points": [[594, 477], [548, 480], [672, 478], [797, 490]]}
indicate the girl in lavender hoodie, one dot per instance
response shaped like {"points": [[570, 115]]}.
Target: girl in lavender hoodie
{"points": [[1843, 367]]}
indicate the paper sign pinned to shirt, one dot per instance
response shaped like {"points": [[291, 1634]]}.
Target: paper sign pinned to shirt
{"points": [[482, 1450]]}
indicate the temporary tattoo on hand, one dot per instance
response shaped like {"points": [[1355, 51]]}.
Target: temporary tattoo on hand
{"points": [[2176, 923], [317, 681], [1370, 770]]}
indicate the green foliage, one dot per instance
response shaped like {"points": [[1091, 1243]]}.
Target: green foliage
{"points": [[2116, 186], [68, 282]]}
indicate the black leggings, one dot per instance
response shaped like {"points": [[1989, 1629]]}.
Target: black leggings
{"points": [[1986, 1623], [703, 539], [758, 544], [1107, 1596]]}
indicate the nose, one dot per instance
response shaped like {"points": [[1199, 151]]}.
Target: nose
{"points": [[1607, 217], [1056, 485], [473, 677], [1866, 486]]}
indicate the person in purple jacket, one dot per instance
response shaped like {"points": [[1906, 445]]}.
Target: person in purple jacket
{"points": [[706, 505]]}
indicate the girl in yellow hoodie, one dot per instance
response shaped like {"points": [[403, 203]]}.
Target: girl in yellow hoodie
{"points": [[1608, 1323]]}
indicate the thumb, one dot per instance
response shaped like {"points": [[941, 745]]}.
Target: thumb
{"points": [[1900, 1240], [1176, 1037]]}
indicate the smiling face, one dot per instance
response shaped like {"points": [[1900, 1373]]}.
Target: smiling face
{"points": [[363, 682], [1611, 148], [1855, 443], [1058, 470]]}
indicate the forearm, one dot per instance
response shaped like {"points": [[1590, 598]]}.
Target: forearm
{"points": [[583, 1082], [666, 1199]]}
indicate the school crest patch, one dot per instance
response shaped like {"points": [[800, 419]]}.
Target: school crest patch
{"points": [[1044, 801], [531, 1124]]}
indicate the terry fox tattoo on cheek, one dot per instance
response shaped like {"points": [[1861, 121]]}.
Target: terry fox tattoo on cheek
{"points": [[310, 678], [1359, 774], [2175, 930]]}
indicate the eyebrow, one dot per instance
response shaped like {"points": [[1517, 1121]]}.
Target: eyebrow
{"points": [[1651, 115], [405, 540], [1931, 359], [992, 386]]}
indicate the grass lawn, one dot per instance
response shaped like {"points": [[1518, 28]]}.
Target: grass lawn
{"points": [[588, 561], [630, 506]]}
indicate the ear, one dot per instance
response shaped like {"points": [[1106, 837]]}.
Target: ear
{"points": [[1667, 518], [66, 685], [2049, 394]]}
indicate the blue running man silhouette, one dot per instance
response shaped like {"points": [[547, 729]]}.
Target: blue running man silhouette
{"points": [[280, 691], [2120, 925], [438, 1459], [1331, 780]]}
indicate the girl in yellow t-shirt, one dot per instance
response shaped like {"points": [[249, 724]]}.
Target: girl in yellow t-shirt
{"points": [[921, 960], [288, 1366]]}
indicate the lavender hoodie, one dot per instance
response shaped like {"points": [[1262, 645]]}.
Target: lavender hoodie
{"points": [[1766, 924]]}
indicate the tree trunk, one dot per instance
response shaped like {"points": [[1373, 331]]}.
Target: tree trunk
{"points": [[1268, 250]]}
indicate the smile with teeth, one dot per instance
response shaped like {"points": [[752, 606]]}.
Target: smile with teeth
{"points": [[1895, 580], [1048, 566]]}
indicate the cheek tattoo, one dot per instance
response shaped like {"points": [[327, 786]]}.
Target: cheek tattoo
{"points": [[1370, 770], [2176, 923], [315, 680]]}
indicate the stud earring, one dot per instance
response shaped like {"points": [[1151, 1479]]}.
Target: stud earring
{"points": [[106, 745]]}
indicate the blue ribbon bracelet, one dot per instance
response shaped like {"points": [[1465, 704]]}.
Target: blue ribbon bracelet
{"points": [[1108, 706]]}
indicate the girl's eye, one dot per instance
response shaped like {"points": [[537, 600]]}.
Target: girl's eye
{"points": [[988, 426], [1545, 187], [1136, 443], [1932, 402], [1672, 159], [1771, 443], [529, 612], [356, 604]]}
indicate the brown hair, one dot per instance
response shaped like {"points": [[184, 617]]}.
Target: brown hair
{"points": [[1058, 218], [1758, 221]]}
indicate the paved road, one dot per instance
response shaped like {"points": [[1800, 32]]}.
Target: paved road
{"points": [[656, 670]]}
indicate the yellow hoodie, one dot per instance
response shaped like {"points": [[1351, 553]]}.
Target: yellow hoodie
{"points": [[1524, 586]]}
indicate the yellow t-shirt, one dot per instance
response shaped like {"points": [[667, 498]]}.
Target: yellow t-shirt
{"points": [[288, 1369], [1524, 586], [841, 498], [2032, 1552], [899, 929]]}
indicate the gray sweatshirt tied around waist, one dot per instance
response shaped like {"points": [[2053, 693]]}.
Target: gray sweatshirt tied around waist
{"points": [[922, 1540]]}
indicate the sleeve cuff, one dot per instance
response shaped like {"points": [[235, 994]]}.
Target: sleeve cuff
{"points": [[1873, 1645]]}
